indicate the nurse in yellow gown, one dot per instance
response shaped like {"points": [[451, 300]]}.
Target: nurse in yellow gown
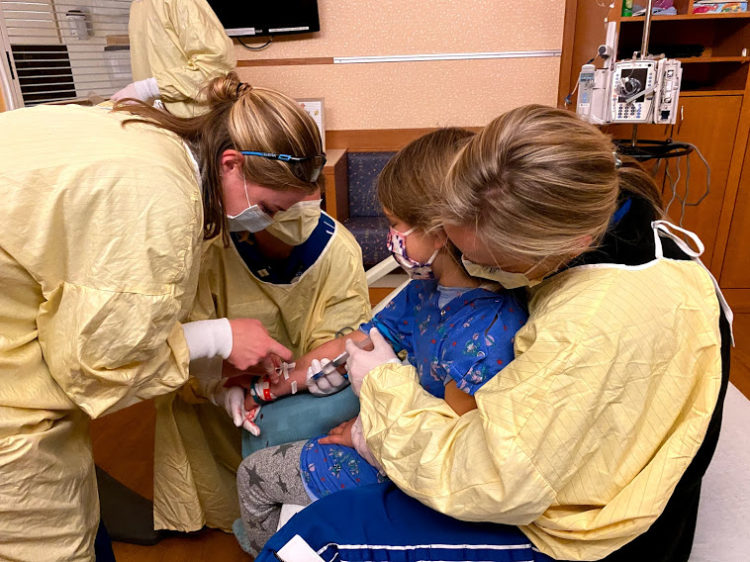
{"points": [[591, 444], [175, 46], [99, 263], [303, 279]]}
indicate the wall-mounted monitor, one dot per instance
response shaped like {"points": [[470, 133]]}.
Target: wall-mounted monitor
{"points": [[267, 17]]}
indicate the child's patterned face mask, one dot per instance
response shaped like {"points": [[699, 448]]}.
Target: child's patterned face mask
{"points": [[414, 269]]}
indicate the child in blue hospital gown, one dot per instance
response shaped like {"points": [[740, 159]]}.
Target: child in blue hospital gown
{"points": [[456, 331], [451, 333]]}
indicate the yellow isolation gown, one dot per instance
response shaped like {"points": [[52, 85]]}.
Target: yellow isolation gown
{"points": [[181, 44], [99, 255]]}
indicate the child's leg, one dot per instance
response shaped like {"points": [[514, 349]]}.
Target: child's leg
{"points": [[265, 480]]}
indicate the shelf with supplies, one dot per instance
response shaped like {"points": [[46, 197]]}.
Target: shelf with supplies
{"points": [[713, 50], [686, 9], [679, 17], [689, 38]]}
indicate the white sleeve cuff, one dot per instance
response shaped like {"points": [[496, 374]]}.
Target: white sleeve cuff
{"points": [[146, 89], [208, 338]]}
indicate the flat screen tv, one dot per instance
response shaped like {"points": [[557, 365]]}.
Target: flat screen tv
{"points": [[267, 17]]}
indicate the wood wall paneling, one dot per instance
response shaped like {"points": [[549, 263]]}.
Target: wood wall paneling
{"points": [[566, 59], [737, 171], [710, 123], [739, 301], [336, 196], [735, 272]]}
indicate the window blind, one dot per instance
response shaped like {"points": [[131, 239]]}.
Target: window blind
{"points": [[59, 50]]}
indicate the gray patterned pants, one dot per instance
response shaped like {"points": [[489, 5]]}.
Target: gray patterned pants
{"points": [[265, 480]]}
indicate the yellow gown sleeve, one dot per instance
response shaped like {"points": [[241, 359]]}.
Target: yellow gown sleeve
{"points": [[208, 52], [443, 459], [117, 278], [106, 349]]}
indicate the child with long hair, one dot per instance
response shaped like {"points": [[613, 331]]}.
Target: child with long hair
{"points": [[456, 330]]}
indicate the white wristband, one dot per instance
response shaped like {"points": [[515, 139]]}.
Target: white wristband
{"points": [[146, 89], [208, 338]]}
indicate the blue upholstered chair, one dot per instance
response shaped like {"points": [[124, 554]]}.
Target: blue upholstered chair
{"points": [[366, 220]]}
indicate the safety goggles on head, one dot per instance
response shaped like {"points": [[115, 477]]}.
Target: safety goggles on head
{"points": [[305, 168]]}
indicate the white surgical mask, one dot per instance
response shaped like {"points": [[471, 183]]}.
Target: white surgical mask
{"points": [[507, 279], [296, 224], [414, 269], [252, 219]]}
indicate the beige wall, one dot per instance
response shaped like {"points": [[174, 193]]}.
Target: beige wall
{"points": [[419, 94]]}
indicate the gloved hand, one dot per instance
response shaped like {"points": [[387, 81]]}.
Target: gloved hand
{"points": [[143, 90], [232, 399], [361, 362], [326, 384]]}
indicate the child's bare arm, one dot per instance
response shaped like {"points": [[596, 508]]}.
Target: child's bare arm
{"points": [[458, 399], [298, 375]]}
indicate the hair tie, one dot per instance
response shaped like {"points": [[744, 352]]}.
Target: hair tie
{"points": [[241, 87]]}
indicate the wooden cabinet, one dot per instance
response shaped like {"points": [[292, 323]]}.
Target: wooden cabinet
{"points": [[710, 123], [336, 193], [736, 271]]}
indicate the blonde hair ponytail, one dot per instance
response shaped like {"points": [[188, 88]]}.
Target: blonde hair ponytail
{"points": [[240, 117]]}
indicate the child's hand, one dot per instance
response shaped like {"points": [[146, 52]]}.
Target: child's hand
{"points": [[340, 435]]}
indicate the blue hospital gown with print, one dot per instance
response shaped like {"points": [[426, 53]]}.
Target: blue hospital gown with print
{"points": [[467, 341]]}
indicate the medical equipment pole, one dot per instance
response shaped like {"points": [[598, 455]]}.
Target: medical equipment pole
{"points": [[646, 31], [644, 53]]}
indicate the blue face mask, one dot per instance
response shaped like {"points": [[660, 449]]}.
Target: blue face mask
{"points": [[252, 219]]}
